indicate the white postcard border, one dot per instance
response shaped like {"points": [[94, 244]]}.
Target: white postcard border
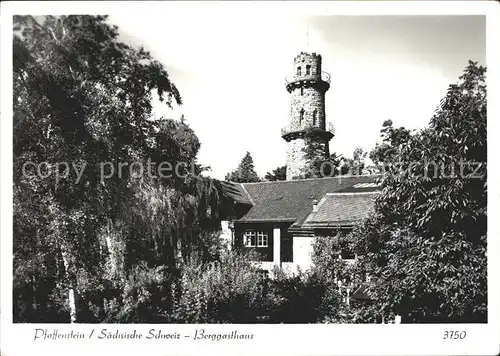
{"points": [[268, 339]]}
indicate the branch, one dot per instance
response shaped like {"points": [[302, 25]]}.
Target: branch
{"points": [[53, 35]]}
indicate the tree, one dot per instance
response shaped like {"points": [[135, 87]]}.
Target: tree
{"points": [[245, 173], [393, 140], [82, 100], [425, 244], [319, 163], [277, 174]]}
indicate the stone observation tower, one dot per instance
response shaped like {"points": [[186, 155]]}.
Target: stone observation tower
{"points": [[307, 131]]}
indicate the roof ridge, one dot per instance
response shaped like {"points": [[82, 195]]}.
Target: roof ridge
{"points": [[354, 193], [311, 179], [247, 194]]}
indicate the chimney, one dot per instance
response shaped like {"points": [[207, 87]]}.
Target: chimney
{"points": [[315, 205]]}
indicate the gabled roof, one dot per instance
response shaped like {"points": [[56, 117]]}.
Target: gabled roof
{"points": [[341, 209], [236, 192], [292, 200]]}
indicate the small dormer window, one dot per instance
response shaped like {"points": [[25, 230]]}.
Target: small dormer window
{"points": [[299, 71], [308, 70]]}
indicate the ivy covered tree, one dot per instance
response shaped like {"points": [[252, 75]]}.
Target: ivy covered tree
{"points": [[245, 173], [425, 245], [277, 174], [84, 227], [320, 165]]}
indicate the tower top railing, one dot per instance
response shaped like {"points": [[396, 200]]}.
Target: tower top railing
{"points": [[291, 78], [330, 128]]}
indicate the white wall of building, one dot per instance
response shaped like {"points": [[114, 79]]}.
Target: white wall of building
{"points": [[302, 250], [226, 233]]}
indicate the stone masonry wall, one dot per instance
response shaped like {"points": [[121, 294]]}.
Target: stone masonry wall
{"points": [[308, 99], [307, 59], [295, 158]]}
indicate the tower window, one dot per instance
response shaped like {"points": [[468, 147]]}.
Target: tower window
{"points": [[301, 116], [308, 69], [299, 71], [301, 91], [314, 117]]}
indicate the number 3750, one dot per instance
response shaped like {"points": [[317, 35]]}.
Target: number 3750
{"points": [[454, 335]]}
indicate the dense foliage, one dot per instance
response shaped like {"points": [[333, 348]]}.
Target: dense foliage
{"points": [[322, 165], [319, 163], [393, 139], [425, 244], [356, 165], [245, 172], [276, 174], [226, 291], [82, 223]]}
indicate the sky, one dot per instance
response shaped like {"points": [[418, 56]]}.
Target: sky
{"points": [[230, 71]]}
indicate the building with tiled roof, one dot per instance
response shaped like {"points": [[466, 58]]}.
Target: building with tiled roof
{"points": [[282, 218], [279, 220]]}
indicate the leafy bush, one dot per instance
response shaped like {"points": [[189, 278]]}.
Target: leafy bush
{"points": [[230, 290], [142, 297], [295, 299], [330, 268]]}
